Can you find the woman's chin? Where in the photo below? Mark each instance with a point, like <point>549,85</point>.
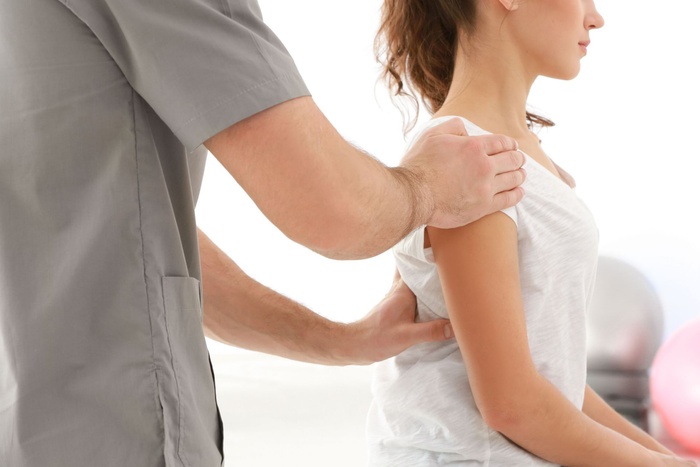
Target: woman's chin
<point>565,73</point>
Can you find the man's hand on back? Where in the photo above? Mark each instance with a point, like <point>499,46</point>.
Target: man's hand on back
<point>240,311</point>
<point>390,328</point>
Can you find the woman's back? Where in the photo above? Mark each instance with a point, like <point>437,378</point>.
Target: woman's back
<point>424,412</point>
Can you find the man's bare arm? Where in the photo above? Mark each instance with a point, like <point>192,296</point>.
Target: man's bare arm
<point>241,312</point>
<point>341,202</point>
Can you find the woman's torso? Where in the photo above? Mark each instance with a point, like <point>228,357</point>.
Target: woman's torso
<point>423,412</point>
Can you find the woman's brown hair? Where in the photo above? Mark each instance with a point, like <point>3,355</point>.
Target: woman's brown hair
<point>416,46</point>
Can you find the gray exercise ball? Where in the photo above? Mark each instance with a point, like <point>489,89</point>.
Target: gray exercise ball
<point>624,330</point>
<point>625,320</point>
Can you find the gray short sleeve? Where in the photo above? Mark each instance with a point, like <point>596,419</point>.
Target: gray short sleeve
<point>202,65</point>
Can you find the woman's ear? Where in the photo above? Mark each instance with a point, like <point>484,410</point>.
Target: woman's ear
<point>509,5</point>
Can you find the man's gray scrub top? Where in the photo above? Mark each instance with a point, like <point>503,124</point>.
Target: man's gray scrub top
<point>104,105</point>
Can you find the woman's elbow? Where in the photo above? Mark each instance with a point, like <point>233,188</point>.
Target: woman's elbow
<point>512,409</point>
<point>503,420</point>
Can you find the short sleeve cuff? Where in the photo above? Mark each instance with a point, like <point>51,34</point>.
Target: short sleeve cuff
<point>239,106</point>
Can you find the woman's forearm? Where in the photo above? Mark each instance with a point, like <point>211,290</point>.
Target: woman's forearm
<point>548,425</point>
<point>596,408</point>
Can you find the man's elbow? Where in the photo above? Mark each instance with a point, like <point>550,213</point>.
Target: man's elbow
<point>337,234</point>
<point>341,247</point>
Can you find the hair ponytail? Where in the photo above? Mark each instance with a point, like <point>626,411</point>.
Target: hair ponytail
<point>416,45</point>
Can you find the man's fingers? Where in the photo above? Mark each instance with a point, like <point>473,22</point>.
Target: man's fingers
<point>397,275</point>
<point>508,161</point>
<point>399,285</point>
<point>453,126</point>
<point>432,331</point>
<point>507,199</point>
<point>509,180</point>
<point>491,144</point>
<point>495,144</point>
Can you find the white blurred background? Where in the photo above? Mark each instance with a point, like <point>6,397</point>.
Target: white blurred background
<point>626,129</point>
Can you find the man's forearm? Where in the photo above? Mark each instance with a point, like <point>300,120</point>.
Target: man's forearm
<point>375,206</point>
<point>241,312</point>
<point>318,189</point>
<point>387,210</point>
<point>595,407</point>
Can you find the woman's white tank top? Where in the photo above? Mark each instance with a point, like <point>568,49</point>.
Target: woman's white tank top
<point>423,412</point>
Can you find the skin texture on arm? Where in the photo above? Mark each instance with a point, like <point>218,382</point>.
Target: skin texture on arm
<point>341,202</point>
<point>596,408</point>
<point>479,272</point>
<point>241,312</point>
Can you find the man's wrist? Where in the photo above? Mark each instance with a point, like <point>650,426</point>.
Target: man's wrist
<point>347,345</point>
<point>418,194</point>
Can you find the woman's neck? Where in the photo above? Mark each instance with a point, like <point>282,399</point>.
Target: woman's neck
<point>490,87</point>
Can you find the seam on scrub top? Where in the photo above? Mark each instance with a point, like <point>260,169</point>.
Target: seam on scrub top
<point>235,96</point>
<point>180,418</point>
<point>143,261</point>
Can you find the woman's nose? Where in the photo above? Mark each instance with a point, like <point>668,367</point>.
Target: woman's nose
<point>594,20</point>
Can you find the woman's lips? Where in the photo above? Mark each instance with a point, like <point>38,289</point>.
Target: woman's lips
<point>584,46</point>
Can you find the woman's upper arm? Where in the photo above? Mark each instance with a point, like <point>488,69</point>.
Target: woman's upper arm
<point>478,269</point>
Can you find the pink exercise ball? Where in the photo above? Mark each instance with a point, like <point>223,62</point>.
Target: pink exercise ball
<point>675,385</point>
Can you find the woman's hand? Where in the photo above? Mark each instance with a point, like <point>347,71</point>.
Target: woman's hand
<point>666,460</point>
<point>390,327</point>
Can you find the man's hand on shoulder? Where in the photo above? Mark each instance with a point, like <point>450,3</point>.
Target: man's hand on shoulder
<point>343,203</point>
<point>462,178</point>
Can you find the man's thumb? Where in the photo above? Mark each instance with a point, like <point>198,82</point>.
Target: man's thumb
<point>433,331</point>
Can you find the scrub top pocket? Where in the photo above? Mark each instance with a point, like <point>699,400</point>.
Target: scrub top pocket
<point>192,422</point>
